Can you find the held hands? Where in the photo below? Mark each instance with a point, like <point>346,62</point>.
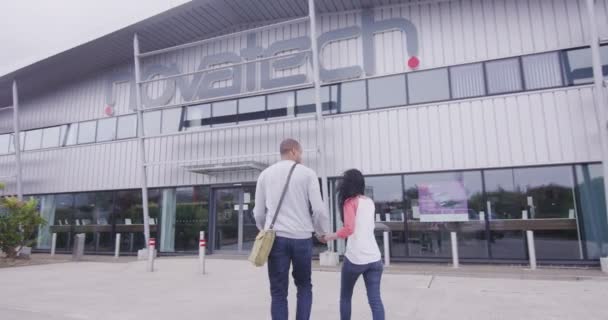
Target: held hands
<point>327,237</point>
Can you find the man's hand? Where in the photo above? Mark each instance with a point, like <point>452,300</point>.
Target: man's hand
<point>321,238</point>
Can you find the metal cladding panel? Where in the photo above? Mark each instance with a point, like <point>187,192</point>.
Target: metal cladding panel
<point>81,168</point>
<point>224,145</point>
<point>535,128</point>
<point>450,32</point>
<point>531,128</point>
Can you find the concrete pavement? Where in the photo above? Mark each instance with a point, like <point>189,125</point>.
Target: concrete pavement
<point>233,289</point>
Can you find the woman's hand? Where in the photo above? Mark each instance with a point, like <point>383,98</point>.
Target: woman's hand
<point>330,237</point>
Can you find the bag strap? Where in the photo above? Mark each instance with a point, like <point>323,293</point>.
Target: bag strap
<point>282,195</point>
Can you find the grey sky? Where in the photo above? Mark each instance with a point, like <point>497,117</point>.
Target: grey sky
<point>31,30</point>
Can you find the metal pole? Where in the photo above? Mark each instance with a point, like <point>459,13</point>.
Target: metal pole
<point>117,246</point>
<point>318,107</point>
<point>455,258</point>
<point>53,244</point>
<point>598,91</point>
<point>387,252</point>
<point>202,247</point>
<point>140,139</point>
<point>16,140</point>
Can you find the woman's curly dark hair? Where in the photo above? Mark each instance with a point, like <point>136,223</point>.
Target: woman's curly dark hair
<point>352,185</point>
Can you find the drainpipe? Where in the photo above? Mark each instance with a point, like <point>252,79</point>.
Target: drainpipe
<point>16,141</point>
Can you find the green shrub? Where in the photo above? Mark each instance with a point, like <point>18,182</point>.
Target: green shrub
<point>18,224</point>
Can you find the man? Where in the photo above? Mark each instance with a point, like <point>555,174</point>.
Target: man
<point>294,227</point>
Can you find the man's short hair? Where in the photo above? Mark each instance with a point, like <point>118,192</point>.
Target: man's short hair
<point>288,145</point>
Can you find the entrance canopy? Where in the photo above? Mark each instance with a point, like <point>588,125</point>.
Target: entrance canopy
<point>211,169</point>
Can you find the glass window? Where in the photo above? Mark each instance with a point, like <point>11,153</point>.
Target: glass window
<point>387,92</point>
<point>64,216</point>
<point>127,127</point>
<point>387,193</point>
<point>592,218</point>
<point>604,60</point>
<point>428,86</point>
<point>467,81</point>
<point>353,96</point>
<point>106,129</point>
<point>152,123</point>
<point>86,132</point>
<point>72,134</point>
<point>503,76</point>
<point>171,120</point>
<point>102,215</point>
<point>251,109</point>
<point>504,204</point>
<point>306,100</point>
<point>281,104</point>
<point>11,144</point>
<point>197,116</point>
<point>191,216</point>
<point>548,195</point>
<point>33,139</point>
<point>542,71</point>
<point>5,140</point>
<point>224,113</point>
<point>51,137</point>
<point>436,200</point>
<point>538,199</point>
<point>579,66</point>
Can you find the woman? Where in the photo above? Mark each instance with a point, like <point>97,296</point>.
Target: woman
<point>362,254</point>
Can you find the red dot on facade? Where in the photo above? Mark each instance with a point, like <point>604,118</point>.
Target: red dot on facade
<point>413,62</point>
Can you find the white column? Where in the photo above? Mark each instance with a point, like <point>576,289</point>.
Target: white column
<point>318,107</point>
<point>151,248</point>
<point>598,91</point>
<point>387,251</point>
<point>53,244</point>
<point>16,141</point>
<point>140,139</point>
<point>455,258</point>
<point>117,246</point>
<point>531,249</point>
<point>202,248</point>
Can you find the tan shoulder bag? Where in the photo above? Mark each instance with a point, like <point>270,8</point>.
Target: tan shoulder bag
<point>265,238</point>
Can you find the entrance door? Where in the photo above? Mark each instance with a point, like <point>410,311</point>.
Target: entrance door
<point>235,228</point>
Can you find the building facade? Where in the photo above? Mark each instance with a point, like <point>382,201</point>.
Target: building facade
<point>467,115</point>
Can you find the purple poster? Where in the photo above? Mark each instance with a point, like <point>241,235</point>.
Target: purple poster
<point>443,201</point>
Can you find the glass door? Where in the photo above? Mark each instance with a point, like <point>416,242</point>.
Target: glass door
<point>235,228</point>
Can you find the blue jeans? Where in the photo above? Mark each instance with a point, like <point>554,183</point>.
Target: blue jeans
<point>372,274</point>
<point>284,253</point>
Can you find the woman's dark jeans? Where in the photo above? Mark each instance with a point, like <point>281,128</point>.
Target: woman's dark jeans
<point>372,274</point>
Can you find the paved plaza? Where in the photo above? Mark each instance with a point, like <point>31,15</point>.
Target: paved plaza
<point>233,289</point>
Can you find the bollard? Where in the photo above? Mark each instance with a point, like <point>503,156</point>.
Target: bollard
<point>53,244</point>
<point>151,247</point>
<point>78,248</point>
<point>531,249</point>
<point>202,248</point>
<point>117,246</point>
<point>530,239</point>
<point>387,253</point>
<point>455,260</point>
